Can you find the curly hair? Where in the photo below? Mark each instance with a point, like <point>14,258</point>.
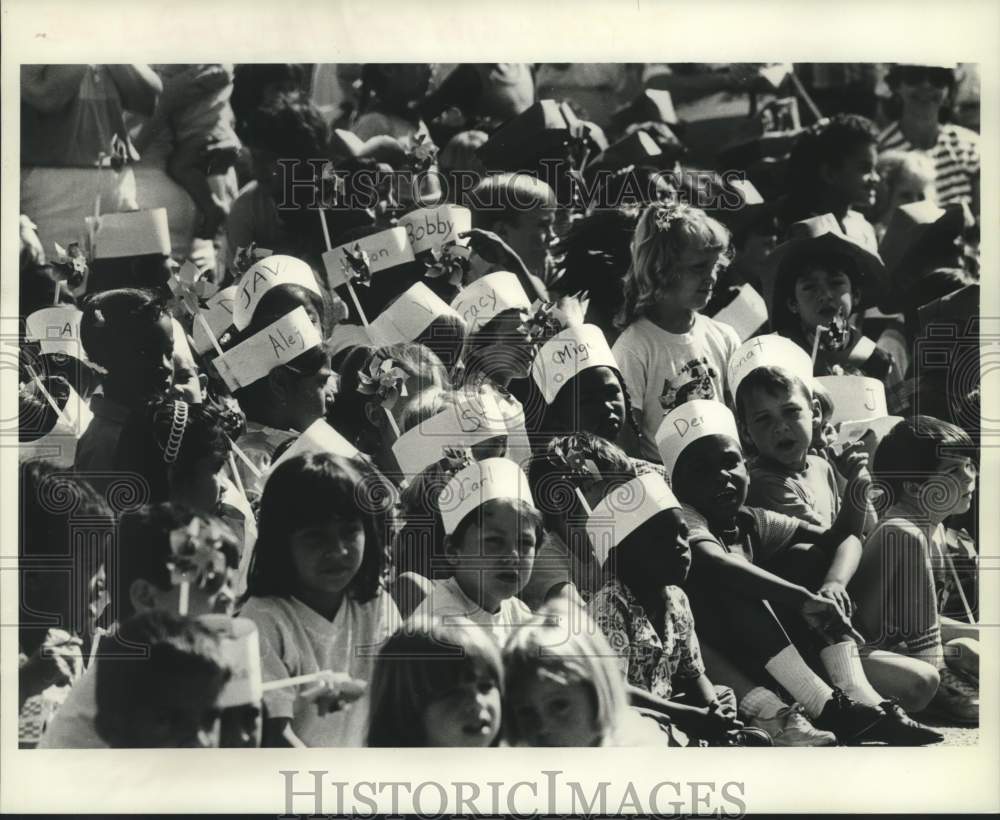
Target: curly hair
<point>111,318</point>
<point>664,232</point>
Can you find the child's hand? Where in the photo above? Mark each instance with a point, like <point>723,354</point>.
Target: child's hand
<point>493,251</point>
<point>712,722</point>
<point>332,692</point>
<point>57,662</point>
<point>826,616</point>
<point>853,461</point>
<point>837,592</point>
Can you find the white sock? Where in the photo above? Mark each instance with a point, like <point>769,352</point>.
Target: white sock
<point>808,688</point>
<point>760,702</point>
<point>843,662</point>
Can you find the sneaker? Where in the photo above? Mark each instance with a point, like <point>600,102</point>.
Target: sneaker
<point>790,727</point>
<point>956,699</point>
<point>899,729</point>
<point>849,720</point>
<point>747,736</point>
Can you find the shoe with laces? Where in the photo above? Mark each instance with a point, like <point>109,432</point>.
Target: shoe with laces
<point>899,729</point>
<point>850,721</point>
<point>956,700</point>
<point>746,736</point>
<point>790,727</point>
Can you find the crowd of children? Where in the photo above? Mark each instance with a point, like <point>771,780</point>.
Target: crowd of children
<point>560,438</point>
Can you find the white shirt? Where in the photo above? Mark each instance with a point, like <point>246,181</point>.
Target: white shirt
<point>72,726</point>
<point>662,369</point>
<point>297,640</point>
<point>446,599</point>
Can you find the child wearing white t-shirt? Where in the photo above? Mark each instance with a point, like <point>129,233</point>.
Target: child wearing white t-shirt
<point>669,353</point>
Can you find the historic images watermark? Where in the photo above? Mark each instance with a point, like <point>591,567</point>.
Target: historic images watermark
<point>313,793</point>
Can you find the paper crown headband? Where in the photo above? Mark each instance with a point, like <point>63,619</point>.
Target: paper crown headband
<point>218,313</point>
<point>855,398</point>
<point>486,298</point>
<point>277,344</point>
<point>625,509</point>
<point>689,422</point>
<point>409,316</point>
<point>264,275</point>
<point>59,444</point>
<point>470,420</point>
<point>130,233</point>
<point>568,354</point>
<point>319,437</point>
<point>181,346</point>
<point>381,251</point>
<point>57,330</point>
<point>479,482</point>
<point>428,229</point>
<point>768,351</point>
<point>239,645</point>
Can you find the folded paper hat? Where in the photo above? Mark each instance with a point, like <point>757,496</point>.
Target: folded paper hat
<point>239,645</point>
<point>409,316</point>
<point>481,302</point>
<point>264,275</point>
<point>819,234</point>
<point>181,347</point>
<point>689,422</point>
<point>771,350</point>
<point>959,307</point>
<point>638,148</point>
<point>911,225</point>
<point>383,250</point>
<point>855,398</point>
<point>346,336</point>
<point>746,313</point>
<point>59,444</point>
<point>430,229</point>
<point>130,233</point>
<point>566,355</point>
<point>57,330</point>
<point>470,420</point>
<point>626,508</point>
<point>275,345</point>
<point>479,482</point>
<point>533,133</point>
<point>654,105</point>
<point>218,313</point>
<point>318,437</point>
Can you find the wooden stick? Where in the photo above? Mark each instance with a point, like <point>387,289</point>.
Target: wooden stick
<point>800,89</point>
<point>326,230</point>
<point>246,460</point>
<point>357,304</point>
<point>819,330</point>
<point>55,296</point>
<point>48,397</point>
<point>296,681</point>
<point>182,605</point>
<point>236,475</point>
<point>958,583</point>
<point>208,330</point>
<point>94,643</point>
<point>583,501</point>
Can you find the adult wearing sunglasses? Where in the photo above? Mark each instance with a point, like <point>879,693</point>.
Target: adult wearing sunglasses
<point>924,92</point>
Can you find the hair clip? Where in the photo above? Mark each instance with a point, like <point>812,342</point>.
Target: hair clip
<point>384,380</point>
<point>542,325</point>
<point>177,427</point>
<point>195,555</point>
<point>246,258</point>
<point>667,213</point>
<point>356,264</point>
<point>451,261</point>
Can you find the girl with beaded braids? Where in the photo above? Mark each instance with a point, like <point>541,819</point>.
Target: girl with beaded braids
<point>668,352</point>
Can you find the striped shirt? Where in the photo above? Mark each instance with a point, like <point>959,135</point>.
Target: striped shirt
<point>955,155</point>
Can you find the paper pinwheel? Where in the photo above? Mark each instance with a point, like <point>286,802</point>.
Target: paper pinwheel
<point>456,459</point>
<point>834,336</point>
<point>666,214</point>
<point>542,325</point>
<point>572,456</point>
<point>246,258</point>
<point>423,154</point>
<point>451,261</point>
<point>191,289</point>
<point>71,263</point>
<point>356,265</point>
<point>196,558</point>
<point>384,380</point>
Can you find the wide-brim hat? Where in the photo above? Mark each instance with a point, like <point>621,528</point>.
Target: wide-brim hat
<point>818,235</point>
<point>912,224</point>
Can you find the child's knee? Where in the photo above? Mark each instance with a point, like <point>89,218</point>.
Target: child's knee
<point>962,655</point>
<point>917,686</point>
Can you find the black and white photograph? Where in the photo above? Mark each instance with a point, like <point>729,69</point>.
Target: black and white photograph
<point>526,408</point>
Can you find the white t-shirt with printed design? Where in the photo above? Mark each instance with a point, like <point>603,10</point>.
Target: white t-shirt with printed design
<point>663,370</point>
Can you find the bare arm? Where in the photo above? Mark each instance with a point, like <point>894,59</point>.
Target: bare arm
<point>751,580</point>
<point>48,88</point>
<point>138,85</point>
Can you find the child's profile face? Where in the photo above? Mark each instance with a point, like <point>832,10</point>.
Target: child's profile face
<point>186,381</point>
<point>494,559</point>
<point>599,403</point>
<point>911,186</point>
<point>529,234</point>
<point>780,424</point>
<point>711,476</point>
<point>468,715</point>
<point>821,295</point>
<point>145,362</point>
<point>326,557</point>
<point>855,179</point>
<point>659,551</point>
<point>951,492</point>
<point>552,709</point>
<point>216,597</point>
<point>201,488</point>
<point>309,395</point>
<point>691,285</point>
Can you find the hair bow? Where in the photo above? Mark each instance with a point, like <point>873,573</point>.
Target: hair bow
<point>356,265</point>
<point>384,380</point>
<point>196,555</point>
<point>451,261</point>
